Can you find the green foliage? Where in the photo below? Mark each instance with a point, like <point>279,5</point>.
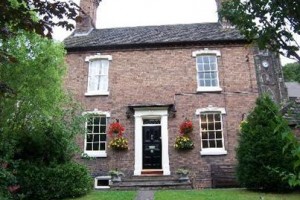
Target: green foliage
<point>291,72</point>
<point>57,182</point>
<point>261,146</point>
<point>38,124</point>
<point>21,15</point>
<point>273,24</point>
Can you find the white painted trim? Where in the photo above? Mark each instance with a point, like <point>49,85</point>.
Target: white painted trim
<point>98,56</point>
<point>209,89</point>
<point>95,154</point>
<point>102,178</point>
<point>97,112</point>
<point>207,52</point>
<point>97,93</point>
<point>213,151</point>
<point>210,108</point>
<point>139,114</point>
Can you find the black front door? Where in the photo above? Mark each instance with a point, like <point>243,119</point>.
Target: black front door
<point>152,147</point>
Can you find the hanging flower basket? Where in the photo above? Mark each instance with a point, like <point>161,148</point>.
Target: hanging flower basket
<point>116,129</point>
<point>183,142</point>
<point>186,127</point>
<point>119,143</point>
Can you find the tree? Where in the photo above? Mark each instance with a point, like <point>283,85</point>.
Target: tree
<point>291,72</point>
<point>19,15</point>
<point>272,24</point>
<point>38,124</point>
<point>260,148</point>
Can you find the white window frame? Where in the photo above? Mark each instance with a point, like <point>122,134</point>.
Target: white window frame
<point>207,52</point>
<point>212,110</point>
<point>108,178</point>
<point>99,153</point>
<point>90,60</point>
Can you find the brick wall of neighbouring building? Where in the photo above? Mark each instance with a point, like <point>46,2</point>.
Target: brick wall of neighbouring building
<point>168,76</point>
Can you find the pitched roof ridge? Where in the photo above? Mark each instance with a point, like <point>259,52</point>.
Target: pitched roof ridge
<point>163,25</point>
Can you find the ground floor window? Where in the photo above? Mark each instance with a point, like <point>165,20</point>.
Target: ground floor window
<point>95,142</point>
<point>211,131</point>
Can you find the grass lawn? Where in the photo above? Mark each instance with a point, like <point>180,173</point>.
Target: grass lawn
<point>222,194</point>
<point>206,194</point>
<point>109,195</point>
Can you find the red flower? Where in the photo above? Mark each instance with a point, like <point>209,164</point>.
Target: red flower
<point>186,127</point>
<point>116,128</point>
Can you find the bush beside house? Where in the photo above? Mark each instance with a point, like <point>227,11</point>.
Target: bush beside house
<point>260,152</point>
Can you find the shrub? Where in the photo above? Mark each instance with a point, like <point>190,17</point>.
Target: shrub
<point>260,148</point>
<point>60,181</point>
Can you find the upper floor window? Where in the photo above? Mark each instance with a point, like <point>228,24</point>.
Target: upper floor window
<point>207,70</point>
<point>211,131</point>
<point>95,142</point>
<point>98,75</point>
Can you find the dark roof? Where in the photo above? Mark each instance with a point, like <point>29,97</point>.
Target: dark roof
<point>153,35</point>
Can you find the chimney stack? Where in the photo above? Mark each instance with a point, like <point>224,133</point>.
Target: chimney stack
<point>221,20</point>
<point>89,15</point>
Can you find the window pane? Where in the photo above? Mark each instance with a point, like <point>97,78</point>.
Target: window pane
<point>213,66</point>
<point>89,146</point>
<point>212,144</point>
<point>203,118</point>
<point>96,138</point>
<point>96,146</point>
<point>204,144</point>
<point>202,83</point>
<point>104,69</point>
<point>96,129</point>
<point>93,83</point>
<point>211,135</point>
<point>218,126</point>
<point>200,67</point>
<point>211,126</point>
<point>199,59</point>
<point>207,75</point>
<point>219,144</point>
<point>89,129</point>
<point>103,84</point>
<point>218,134</point>
<point>205,59</point>
<point>96,120</point>
<point>89,138</point>
<point>206,67</point>
<point>217,117</point>
<point>212,59</point>
<point>210,117</point>
<point>201,75</point>
<point>102,129</point>
<point>103,120</point>
<point>204,126</point>
<point>207,83</point>
<point>204,135</point>
<point>102,146</point>
<point>103,137</point>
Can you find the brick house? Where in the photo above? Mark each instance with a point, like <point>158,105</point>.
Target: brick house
<point>153,78</point>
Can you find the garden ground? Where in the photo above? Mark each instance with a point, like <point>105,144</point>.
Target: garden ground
<point>205,194</point>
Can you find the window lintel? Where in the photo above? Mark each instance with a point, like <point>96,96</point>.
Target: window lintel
<point>206,52</point>
<point>98,56</point>
<point>210,108</point>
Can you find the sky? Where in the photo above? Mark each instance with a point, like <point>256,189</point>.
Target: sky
<point>128,13</point>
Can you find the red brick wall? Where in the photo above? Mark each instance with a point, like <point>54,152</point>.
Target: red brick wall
<point>168,76</point>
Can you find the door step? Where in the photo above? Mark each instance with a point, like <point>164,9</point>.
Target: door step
<point>152,172</point>
<point>155,182</point>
